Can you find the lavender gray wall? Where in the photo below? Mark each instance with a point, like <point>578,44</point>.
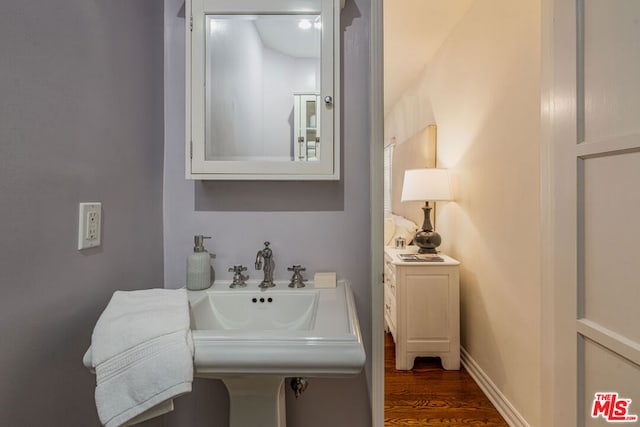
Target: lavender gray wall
<point>81,98</point>
<point>324,226</point>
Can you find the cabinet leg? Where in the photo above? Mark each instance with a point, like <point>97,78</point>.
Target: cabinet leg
<point>450,362</point>
<point>404,363</point>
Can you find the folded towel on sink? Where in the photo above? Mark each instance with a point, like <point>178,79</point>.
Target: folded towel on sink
<point>142,354</point>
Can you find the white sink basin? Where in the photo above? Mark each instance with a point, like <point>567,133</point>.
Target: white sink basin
<point>255,310</point>
<point>288,332</point>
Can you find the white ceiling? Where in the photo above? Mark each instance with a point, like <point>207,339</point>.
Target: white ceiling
<point>282,33</point>
<point>414,30</point>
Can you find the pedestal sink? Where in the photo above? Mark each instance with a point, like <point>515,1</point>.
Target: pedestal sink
<point>252,339</point>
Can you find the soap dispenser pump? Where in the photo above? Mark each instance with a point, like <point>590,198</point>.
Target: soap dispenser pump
<point>199,270</point>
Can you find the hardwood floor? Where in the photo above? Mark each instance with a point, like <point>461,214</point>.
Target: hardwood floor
<point>430,396</point>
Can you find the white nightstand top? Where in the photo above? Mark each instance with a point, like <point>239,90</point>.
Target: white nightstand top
<point>412,249</point>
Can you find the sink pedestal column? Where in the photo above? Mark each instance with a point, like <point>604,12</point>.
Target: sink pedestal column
<point>256,400</point>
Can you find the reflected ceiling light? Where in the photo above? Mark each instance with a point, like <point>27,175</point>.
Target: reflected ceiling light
<point>214,26</point>
<point>304,24</point>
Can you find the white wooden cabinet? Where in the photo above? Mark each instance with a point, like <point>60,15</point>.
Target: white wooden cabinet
<point>422,308</point>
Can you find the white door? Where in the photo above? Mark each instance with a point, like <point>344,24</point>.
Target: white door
<point>594,213</point>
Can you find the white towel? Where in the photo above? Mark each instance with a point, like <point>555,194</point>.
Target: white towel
<point>142,354</point>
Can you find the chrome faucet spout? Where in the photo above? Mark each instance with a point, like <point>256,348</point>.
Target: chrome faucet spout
<point>264,262</point>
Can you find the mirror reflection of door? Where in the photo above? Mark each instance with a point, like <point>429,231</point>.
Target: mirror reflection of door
<point>307,127</point>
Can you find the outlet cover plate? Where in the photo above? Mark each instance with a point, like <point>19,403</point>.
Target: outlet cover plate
<point>89,225</point>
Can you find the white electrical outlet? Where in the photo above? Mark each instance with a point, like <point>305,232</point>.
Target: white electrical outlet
<point>89,224</point>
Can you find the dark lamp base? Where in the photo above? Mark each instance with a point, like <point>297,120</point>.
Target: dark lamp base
<point>427,251</point>
<point>427,241</point>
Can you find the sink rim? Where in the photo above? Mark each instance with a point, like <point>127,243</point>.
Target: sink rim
<point>333,347</point>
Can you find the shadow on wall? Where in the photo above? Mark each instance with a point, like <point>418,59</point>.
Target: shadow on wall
<point>477,318</point>
<point>320,400</point>
<point>269,196</point>
<point>349,14</point>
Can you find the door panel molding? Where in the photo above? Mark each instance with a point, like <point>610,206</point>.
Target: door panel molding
<point>574,36</point>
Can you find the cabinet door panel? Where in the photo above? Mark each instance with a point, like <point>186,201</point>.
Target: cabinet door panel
<point>427,307</point>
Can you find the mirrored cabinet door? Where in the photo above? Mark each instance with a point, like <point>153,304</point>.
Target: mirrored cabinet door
<point>262,95</point>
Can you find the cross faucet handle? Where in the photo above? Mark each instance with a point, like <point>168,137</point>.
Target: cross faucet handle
<point>297,281</point>
<point>296,268</point>
<point>237,268</point>
<point>238,277</point>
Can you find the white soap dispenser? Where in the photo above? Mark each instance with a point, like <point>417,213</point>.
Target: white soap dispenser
<point>199,270</point>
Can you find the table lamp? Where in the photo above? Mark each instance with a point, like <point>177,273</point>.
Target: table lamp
<point>428,185</point>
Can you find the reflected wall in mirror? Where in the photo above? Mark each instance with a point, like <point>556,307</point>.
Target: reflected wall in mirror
<point>262,87</point>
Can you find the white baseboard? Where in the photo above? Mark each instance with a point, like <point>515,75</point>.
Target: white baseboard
<point>504,407</point>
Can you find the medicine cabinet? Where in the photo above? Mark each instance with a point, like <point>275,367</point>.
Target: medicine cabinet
<point>262,89</point>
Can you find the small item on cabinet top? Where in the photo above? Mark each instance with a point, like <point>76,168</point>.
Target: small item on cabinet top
<point>401,242</point>
<point>420,258</point>
<point>324,280</point>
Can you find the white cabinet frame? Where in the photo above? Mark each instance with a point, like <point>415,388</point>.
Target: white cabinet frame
<point>328,165</point>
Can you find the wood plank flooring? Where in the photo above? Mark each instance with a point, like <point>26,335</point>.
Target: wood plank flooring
<point>428,395</point>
